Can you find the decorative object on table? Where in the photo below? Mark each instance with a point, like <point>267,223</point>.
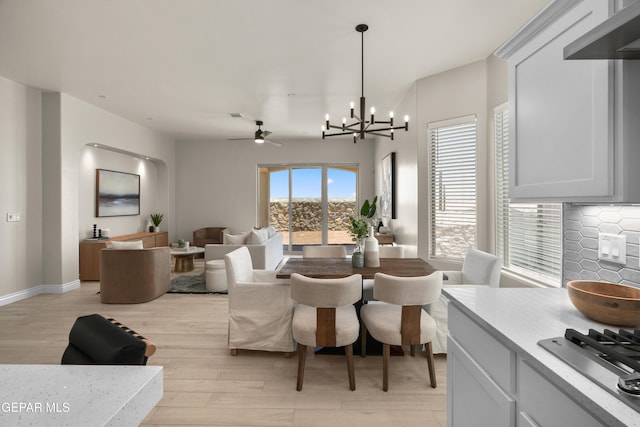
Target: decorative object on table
<point>106,232</point>
<point>609,303</point>
<point>371,250</point>
<point>361,126</point>
<point>149,226</point>
<point>156,218</point>
<point>388,196</point>
<point>117,193</point>
<point>358,227</point>
<point>95,231</point>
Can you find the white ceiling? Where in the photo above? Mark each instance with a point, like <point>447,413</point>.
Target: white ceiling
<point>181,66</point>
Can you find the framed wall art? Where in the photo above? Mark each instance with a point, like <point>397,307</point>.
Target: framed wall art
<point>388,196</point>
<point>117,193</point>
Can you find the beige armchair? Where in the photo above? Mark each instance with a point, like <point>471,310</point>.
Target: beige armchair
<point>208,235</point>
<point>134,275</point>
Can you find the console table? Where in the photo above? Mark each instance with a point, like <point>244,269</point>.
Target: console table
<point>90,250</point>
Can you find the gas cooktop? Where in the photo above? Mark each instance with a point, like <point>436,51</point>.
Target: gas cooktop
<point>609,358</point>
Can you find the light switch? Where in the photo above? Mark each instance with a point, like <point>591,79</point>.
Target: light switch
<point>612,248</point>
<point>13,217</point>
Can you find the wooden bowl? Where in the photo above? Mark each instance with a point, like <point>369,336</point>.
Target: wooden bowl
<point>607,303</point>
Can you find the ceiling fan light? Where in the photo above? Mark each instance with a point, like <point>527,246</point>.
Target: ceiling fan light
<point>259,140</point>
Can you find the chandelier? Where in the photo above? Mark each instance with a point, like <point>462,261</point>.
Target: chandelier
<point>360,126</point>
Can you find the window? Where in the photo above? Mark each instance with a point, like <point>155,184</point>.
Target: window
<point>453,187</point>
<point>308,204</point>
<point>529,235</point>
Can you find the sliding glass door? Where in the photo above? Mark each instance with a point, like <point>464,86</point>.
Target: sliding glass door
<point>308,204</point>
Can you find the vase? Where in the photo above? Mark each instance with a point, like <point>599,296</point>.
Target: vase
<point>371,250</point>
<point>357,260</point>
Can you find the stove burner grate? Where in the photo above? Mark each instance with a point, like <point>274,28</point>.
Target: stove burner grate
<point>621,348</point>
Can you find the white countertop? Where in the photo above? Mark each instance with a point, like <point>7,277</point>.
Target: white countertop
<point>519,318</point>
<point>78,395</point>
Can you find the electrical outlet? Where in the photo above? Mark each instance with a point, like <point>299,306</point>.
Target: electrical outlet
<point>612,248</point>
<point>13,217</point>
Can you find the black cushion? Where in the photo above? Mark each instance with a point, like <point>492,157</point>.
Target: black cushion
<point>94,340</point>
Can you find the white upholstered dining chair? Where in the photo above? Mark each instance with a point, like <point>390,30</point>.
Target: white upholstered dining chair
<point>325,317</point>
<point>260,307</point>
<point>479,269</point>
<point>397,317</point>
<point>333,251</point>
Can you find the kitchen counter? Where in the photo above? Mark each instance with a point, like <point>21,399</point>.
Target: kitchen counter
<point>518,318</point>
<point>78,395</point>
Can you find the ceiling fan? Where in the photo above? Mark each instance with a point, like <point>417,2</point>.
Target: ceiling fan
<point>260,136</point>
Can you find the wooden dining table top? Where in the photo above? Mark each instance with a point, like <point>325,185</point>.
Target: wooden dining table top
<point>331,268</point>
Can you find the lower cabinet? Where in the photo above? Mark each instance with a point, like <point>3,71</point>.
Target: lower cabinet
<point>473,398</point>
<point>490,385</point>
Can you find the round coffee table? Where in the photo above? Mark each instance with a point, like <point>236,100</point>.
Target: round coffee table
<point>184,258</point>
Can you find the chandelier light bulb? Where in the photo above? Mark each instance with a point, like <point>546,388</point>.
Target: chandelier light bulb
<point>373,110</point>
<point>406,118</point>
<point>352,105</point>
<point>326,117</point>
<point>323,129</point>
<point>391,114</point>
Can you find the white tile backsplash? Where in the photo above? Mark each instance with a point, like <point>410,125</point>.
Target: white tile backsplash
<point>581,227</point>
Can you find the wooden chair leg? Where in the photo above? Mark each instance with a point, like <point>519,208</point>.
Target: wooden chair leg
<point>234,351</point>
<point>363,340</point>
<point>386,351</point>
<point>348,349</point>
<point>432,370</point>
<point>412,350</point>
<point>302,357</point>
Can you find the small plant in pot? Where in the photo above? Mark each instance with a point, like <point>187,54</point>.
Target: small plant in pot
<point>359,228</point>
<point>156,218</point>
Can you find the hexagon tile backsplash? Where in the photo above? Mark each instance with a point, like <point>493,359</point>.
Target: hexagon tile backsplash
<point>582,224</point>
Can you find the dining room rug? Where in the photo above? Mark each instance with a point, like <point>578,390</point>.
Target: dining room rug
<point>191,284</point>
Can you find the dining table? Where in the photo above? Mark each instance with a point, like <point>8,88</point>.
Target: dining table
<point>332,268</point>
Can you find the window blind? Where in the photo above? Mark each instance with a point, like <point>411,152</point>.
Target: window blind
<point>528,235</point>
<point>453,187</point>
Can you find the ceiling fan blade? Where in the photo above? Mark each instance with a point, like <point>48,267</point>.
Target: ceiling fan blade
<point>240,139</point>
<point>266,133</point>
<point>272,142</point>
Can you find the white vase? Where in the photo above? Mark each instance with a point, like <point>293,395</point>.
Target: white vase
<point>371,250</point>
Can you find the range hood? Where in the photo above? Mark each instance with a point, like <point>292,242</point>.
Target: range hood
<point>616,38</point>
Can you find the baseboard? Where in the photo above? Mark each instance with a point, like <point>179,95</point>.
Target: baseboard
<point>37,290</point>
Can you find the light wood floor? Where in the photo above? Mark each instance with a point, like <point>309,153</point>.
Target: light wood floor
<point>205,386</point>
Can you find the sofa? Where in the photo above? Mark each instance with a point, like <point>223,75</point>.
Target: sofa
<point>208,236</point>
<point>129,276</point>
<point>265,247</point>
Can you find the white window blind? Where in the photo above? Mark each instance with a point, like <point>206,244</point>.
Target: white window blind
<point>453,187</point>
<point>529,235</point>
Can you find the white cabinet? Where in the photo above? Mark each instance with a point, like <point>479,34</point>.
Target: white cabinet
<point>572,132</point>
<point>490,385</point>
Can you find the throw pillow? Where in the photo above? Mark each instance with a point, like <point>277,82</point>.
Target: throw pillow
<point>134,244</point>
<point>257,237</point>
<point>235,239</point>
<point>271,231</point>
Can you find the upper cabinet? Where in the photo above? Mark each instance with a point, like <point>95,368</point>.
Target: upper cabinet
<point>573,135</point>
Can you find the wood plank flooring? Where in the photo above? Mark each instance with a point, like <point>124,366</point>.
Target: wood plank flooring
<point>205,386</point>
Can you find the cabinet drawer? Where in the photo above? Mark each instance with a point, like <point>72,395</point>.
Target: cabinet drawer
<point>545,405</point>
<point>493,356</point>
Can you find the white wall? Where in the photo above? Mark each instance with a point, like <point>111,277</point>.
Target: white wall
<point>92,158</point>
<point>217,180</point>
<point>21,189</point>
<point>471,89</point>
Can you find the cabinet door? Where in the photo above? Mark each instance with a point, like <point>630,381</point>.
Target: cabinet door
<point>561,123</point>
<point>473,398</point>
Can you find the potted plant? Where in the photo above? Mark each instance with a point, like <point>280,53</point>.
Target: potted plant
<point>156,218</point>
<point>359,228</point>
